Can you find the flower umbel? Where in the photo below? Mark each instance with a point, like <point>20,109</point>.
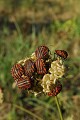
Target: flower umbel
<point>42,72</point>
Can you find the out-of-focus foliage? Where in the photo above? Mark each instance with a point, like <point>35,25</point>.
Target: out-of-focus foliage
<point>24,25</point>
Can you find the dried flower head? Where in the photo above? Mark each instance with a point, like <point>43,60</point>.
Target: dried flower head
<point>39,73</point>
<point>56,72</point>
<point>46,83</point>
<point>57,69</point>
<point>33,57</point>
<point>22,62</point>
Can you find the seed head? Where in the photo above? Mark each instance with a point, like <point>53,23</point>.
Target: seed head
<point>57,69</point>
<point>46,83</point>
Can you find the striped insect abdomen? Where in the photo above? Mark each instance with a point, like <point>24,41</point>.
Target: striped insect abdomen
<point>56,89</point>
<point>61,53</point>
<point>17,71</point>
<point>42,52</point>
<point>29,68</point>
<point>40,66</point>
<point>24,82</point>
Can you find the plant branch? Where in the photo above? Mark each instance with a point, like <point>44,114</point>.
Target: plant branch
<point>58,106</point>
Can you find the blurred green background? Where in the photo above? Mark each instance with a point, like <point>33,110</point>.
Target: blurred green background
<point>24,25</point>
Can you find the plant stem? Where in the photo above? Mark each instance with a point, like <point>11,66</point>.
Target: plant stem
<point>58,106</point>
<point>25,110</point>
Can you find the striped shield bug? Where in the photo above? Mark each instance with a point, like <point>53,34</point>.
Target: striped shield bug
<point>61,53</point>
<point>29,67</point>
<point>24,82</point>
<point>42,52</point>
<point>56,89</point>
<point>40,66</point>
<point>17,71</point>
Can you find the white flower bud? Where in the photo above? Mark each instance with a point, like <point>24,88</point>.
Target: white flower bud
<point>56,72</point>
<point>57,69</point>
<point>33,56</point>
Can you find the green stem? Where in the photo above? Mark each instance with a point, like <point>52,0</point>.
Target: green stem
<point>25,110</point>
<point>58,106</point>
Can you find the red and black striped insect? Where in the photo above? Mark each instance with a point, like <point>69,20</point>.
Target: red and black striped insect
<point>24,82</point>
<point>56,89</point>
<point>40,66</point>
<point>17,71</point>
<point>29,67</point>
<point>42,52</point>
<point>61,53</point>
